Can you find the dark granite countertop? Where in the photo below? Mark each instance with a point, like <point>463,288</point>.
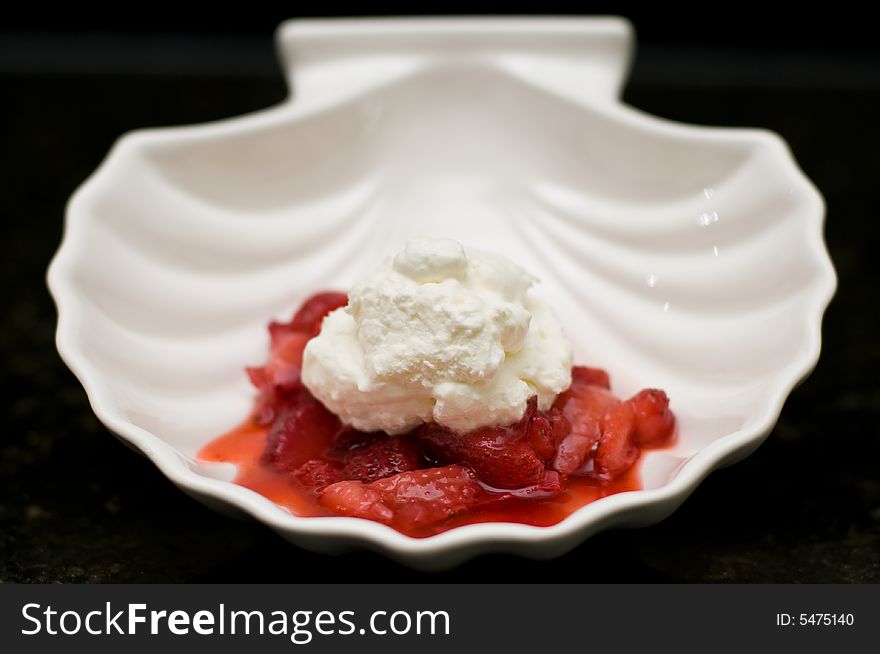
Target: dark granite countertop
<point>78,506</point>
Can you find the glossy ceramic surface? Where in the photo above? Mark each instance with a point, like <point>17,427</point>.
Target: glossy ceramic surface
<point>681,257</point>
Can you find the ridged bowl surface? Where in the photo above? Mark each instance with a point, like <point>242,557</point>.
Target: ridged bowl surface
<point>680,257</point>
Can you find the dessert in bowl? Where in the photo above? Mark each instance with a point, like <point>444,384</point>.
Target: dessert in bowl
<point>684,258</point>
<point>438,393</point>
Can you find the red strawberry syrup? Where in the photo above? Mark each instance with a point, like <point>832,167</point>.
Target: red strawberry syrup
<point>245,444</point>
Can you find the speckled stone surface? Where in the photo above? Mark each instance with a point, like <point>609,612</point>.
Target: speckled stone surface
<point>78,506</point>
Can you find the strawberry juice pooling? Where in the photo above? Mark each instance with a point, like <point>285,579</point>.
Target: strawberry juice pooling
<point>438,393</point>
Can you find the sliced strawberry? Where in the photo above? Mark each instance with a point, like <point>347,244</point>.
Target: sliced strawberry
<point>510,466</point>
<point>287,357</point>
<point>318,474</point>
<point>258,377</point>
<point>501,457</point>
<point>559,424</point>
<point>573,451</point>
<point>282,373</point>
<point>584,407</point>
<point>654,422</point>
<point>617,450</point>
<point>426,496</point>
<point>590,377</point>
<point>349,438</point>
<point>308,318</point>
<point>584,403</point>
<point>410,499</point>
<point>541,437</point>
<point>356,499</point>
<point>384,456</point>
<point>311,313</point>
<point>265,410</point>
<point>303,430</point>
<point>279,332</point>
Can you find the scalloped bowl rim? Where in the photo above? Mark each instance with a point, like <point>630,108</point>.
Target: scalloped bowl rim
<point>465,541</point>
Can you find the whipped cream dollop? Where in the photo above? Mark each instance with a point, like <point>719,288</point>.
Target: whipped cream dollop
<point>438,333</point>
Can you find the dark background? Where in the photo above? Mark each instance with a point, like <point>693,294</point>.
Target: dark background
<point>77,506</point>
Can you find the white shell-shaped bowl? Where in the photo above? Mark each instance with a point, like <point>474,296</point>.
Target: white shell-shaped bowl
<point>679,257</point>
